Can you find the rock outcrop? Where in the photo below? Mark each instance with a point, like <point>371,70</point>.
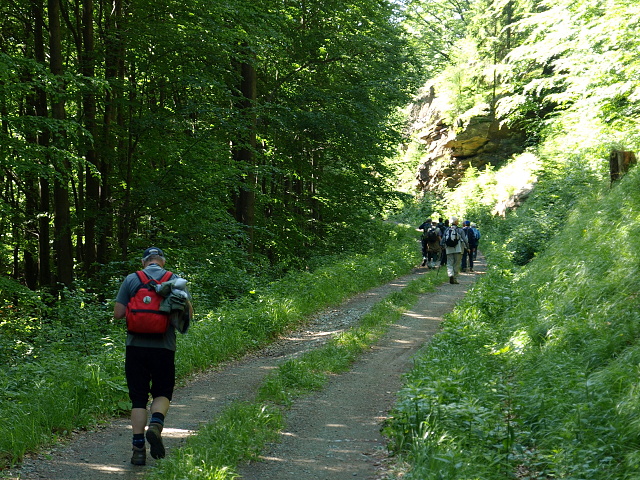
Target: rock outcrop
<point>474,139</point>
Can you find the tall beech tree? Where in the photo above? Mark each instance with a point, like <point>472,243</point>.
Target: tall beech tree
<point>261,127</point>
<point>62,213</point>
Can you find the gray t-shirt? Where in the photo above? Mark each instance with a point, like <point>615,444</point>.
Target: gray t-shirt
<point>127,290</point>
<point>462,243</point>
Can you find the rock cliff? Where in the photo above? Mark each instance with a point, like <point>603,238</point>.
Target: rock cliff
<point>474,139</point>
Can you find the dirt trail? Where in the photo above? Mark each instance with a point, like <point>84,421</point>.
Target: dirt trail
<point>333,434</point>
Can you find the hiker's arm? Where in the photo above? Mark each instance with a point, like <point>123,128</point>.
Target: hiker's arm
<point>465,240</point>
<point>119,310</point>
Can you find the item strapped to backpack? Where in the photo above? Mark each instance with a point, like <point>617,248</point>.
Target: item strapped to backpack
<point>143,310</point>
<point>451,237</point>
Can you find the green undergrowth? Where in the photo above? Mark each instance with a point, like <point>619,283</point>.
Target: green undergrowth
<point>240,433</point>
<point>535,373</point>
<point>78,379</point>
<point>255,319</point>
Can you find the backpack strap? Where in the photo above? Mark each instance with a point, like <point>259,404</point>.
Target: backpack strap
<point>166,277</point>
<point>146,279</point>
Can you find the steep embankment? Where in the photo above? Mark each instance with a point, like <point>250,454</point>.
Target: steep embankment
<point>536,372</point>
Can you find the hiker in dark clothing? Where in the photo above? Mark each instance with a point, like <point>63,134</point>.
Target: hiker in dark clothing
<point>475,229</point>
<point>468,254</point>
<point>443,225</point>
<point>430,243</point>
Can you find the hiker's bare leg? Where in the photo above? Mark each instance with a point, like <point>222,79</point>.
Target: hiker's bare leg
<point>160,405</point>
<point>138,420</point>
<point>139,415</point>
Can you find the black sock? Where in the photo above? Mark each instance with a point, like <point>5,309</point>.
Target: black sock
<point>138,440</point>
<point>157,417</point>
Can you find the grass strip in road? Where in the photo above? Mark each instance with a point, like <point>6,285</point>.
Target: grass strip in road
<point>242,431</point>
<point>239,433</point>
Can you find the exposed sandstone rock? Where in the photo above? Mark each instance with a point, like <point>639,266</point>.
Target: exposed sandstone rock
<point>474,139</point>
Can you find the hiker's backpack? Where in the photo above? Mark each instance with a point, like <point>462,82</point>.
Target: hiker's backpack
<point>143,310</point>
<point>431,234</point>
<point>471,236</point>
<point>451,237</point>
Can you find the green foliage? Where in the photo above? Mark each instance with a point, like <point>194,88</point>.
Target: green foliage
<point>163,143</point>
<point>535,372</point>
<point>573,63</point>
<point>559,187</point>
<point>414,211</point>
<point>436,26</point>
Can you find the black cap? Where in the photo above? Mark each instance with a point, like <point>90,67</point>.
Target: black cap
<point>152,251</point>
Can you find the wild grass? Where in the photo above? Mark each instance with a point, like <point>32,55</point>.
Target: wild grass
<point>535,374</point>
<point>63,370</point>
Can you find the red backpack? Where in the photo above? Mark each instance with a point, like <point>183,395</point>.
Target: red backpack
<point>143,310</point>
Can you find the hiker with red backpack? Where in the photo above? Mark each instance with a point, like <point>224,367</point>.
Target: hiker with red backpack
<point>155,304</point>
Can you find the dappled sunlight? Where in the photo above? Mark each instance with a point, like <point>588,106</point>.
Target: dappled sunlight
<point>340,449</point>
<point>515,345</point>
<point>311,336</point>
<point>97,467</point>
<point>422,316</point>
<point>176,432</point>
<point>404,342</point>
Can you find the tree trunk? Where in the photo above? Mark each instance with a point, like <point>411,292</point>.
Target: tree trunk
<point>91,205</point>
<point>244,152</point>
<point>41,110</point>
<point>619,163</point>
<point>114,150</point>
<point>62,214</point>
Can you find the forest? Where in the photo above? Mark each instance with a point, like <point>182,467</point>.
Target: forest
<point>265,146</point>
<point>243,134</point>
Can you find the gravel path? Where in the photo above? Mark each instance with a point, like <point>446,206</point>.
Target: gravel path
<point>333,434</point>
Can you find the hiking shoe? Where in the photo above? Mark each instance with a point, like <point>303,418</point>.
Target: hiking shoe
<point>155,440</point>
<point>455,280</point>
<point>451,280</point>
<point>139,456</point>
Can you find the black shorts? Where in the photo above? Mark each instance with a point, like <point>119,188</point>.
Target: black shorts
<point>149,371</point>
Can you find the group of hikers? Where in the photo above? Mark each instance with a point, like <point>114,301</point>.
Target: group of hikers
<point>156,305</point>
<point>452,245</point>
